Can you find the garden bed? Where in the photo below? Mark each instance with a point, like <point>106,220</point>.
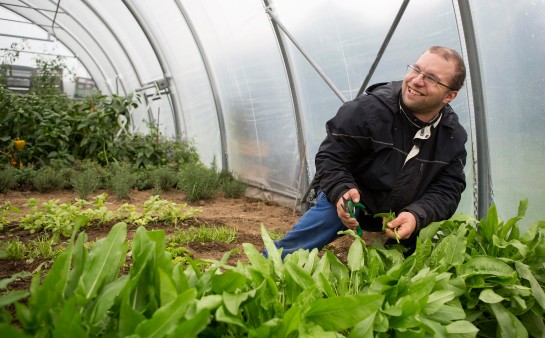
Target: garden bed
<point>243,214</point>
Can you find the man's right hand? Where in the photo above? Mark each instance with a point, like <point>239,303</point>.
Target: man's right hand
<point>349,222</point>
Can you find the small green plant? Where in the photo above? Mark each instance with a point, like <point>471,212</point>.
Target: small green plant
<point>122,183</point>
<point>163,179</point>
<point>8,180</point>
<point>276,234</point>
<point>233,188</point>
<point>14,249</point>
<point>204,234</point>
<point>24,178</point>
<point>43,247</point>
<point>198,181</point>
<point>85,182</point>
<point>6,213</point>
<point>47,179</point>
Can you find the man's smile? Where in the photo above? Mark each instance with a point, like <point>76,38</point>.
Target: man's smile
<point>413,91</point>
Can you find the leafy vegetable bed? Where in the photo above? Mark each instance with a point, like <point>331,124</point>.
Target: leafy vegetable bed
<point>466,279</point>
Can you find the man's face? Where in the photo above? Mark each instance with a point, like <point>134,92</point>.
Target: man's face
<point>423,99</point>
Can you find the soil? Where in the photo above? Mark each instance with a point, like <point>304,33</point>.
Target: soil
<point>244,214</point>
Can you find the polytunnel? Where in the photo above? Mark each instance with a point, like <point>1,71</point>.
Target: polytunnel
<point>253,82</point>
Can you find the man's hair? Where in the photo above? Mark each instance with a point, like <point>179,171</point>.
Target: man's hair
<point>452,55</point>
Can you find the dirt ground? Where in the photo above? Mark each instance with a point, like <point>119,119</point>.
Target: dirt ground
<point>244,214</point>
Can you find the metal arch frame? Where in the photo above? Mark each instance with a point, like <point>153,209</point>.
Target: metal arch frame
<point>176,104</point>
<point>93,39</point>
<point>115,36</point>
<point>484,186</point>
<point>102,73</point>
<point>384,45</point>
<point>304,171</point>
<point>212,82</point>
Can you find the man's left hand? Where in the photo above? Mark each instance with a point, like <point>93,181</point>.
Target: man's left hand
<point>405,224</point>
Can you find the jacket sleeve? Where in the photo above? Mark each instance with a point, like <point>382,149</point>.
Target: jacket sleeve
<point>340,150</point>
<point>440,200</point>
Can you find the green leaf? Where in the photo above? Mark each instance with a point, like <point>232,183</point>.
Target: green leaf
<point>129,318</point>
<point>79,258</point>
<point>447,313</point>
<point>104,262</point>
<point>490,226</point>
<point>68,323</point>
<point>299,275</point>
<point>461,329</point>
<point>224,316</point>
<point>355,256</point>
<point>106,298</point>
<point>12,332</point>
<point>537,291</point>
<point>343,312</point>
<point>6,281</point>
<point>167,290</point>
<point>273,253</point>
<point>450,250</point>
<point>190,328</point>
<point>229,281</point>
<point>490,297</point>
<point>166,318</point>
<point>363,329</point>
<point>437,299</point>
<point>257,260</point>
<point>12,297</point>
<point>508,325</point>
<point>50,294</point>
<point>232,301</point>
<point>485,265</point>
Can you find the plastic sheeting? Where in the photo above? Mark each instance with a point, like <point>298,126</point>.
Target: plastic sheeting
<point>252,93</point>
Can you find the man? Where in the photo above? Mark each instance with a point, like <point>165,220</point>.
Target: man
<point>397,148</point>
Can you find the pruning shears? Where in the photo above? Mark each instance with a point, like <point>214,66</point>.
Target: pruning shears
<point>350,207</point>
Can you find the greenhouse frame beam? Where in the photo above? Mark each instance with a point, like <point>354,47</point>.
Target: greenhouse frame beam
<point>304,179</point>
<point>116,37</point>
<point>278,23</point>
<point>176,104</point>
<point>484,189</point>
<point>384,45</point>
<point>102,73</point>
<point>92,37</point>
<point>212,82</point>
<point>25,37</point>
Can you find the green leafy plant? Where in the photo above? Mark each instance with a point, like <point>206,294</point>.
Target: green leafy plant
<point>230,186</point>
<point>14,249</point>
<point>198,181</point>
<point>122,182</point>
<point>85,182</point>
<point>163,178</point>
<point>204,234</point>
<point>387,217</point>
<point>7,211</point>
<point>467,278</point>
<point>8,180</point>
<point>48,179</point>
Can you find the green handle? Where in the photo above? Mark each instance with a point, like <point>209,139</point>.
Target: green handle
<point>352,211</point>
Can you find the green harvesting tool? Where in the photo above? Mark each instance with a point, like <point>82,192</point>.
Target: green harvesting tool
<point>350,207</point>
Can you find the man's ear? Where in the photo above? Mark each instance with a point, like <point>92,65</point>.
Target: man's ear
<point>451,95</point>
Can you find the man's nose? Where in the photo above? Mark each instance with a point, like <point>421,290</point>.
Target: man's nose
<point>419,80</point>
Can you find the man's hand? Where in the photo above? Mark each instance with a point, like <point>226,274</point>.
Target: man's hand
<point>348,221</point>
<point>405,224</point>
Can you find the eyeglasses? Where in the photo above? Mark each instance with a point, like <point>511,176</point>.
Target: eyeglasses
<point>430,80</point>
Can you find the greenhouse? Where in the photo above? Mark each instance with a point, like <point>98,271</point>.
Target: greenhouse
<point>249,85</point>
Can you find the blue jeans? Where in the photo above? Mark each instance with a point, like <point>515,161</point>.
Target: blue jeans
<point>315,229</point>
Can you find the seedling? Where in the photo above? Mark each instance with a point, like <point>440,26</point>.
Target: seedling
<point>386,218</point>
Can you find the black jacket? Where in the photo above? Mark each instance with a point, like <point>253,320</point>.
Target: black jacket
<point>366,146</point>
